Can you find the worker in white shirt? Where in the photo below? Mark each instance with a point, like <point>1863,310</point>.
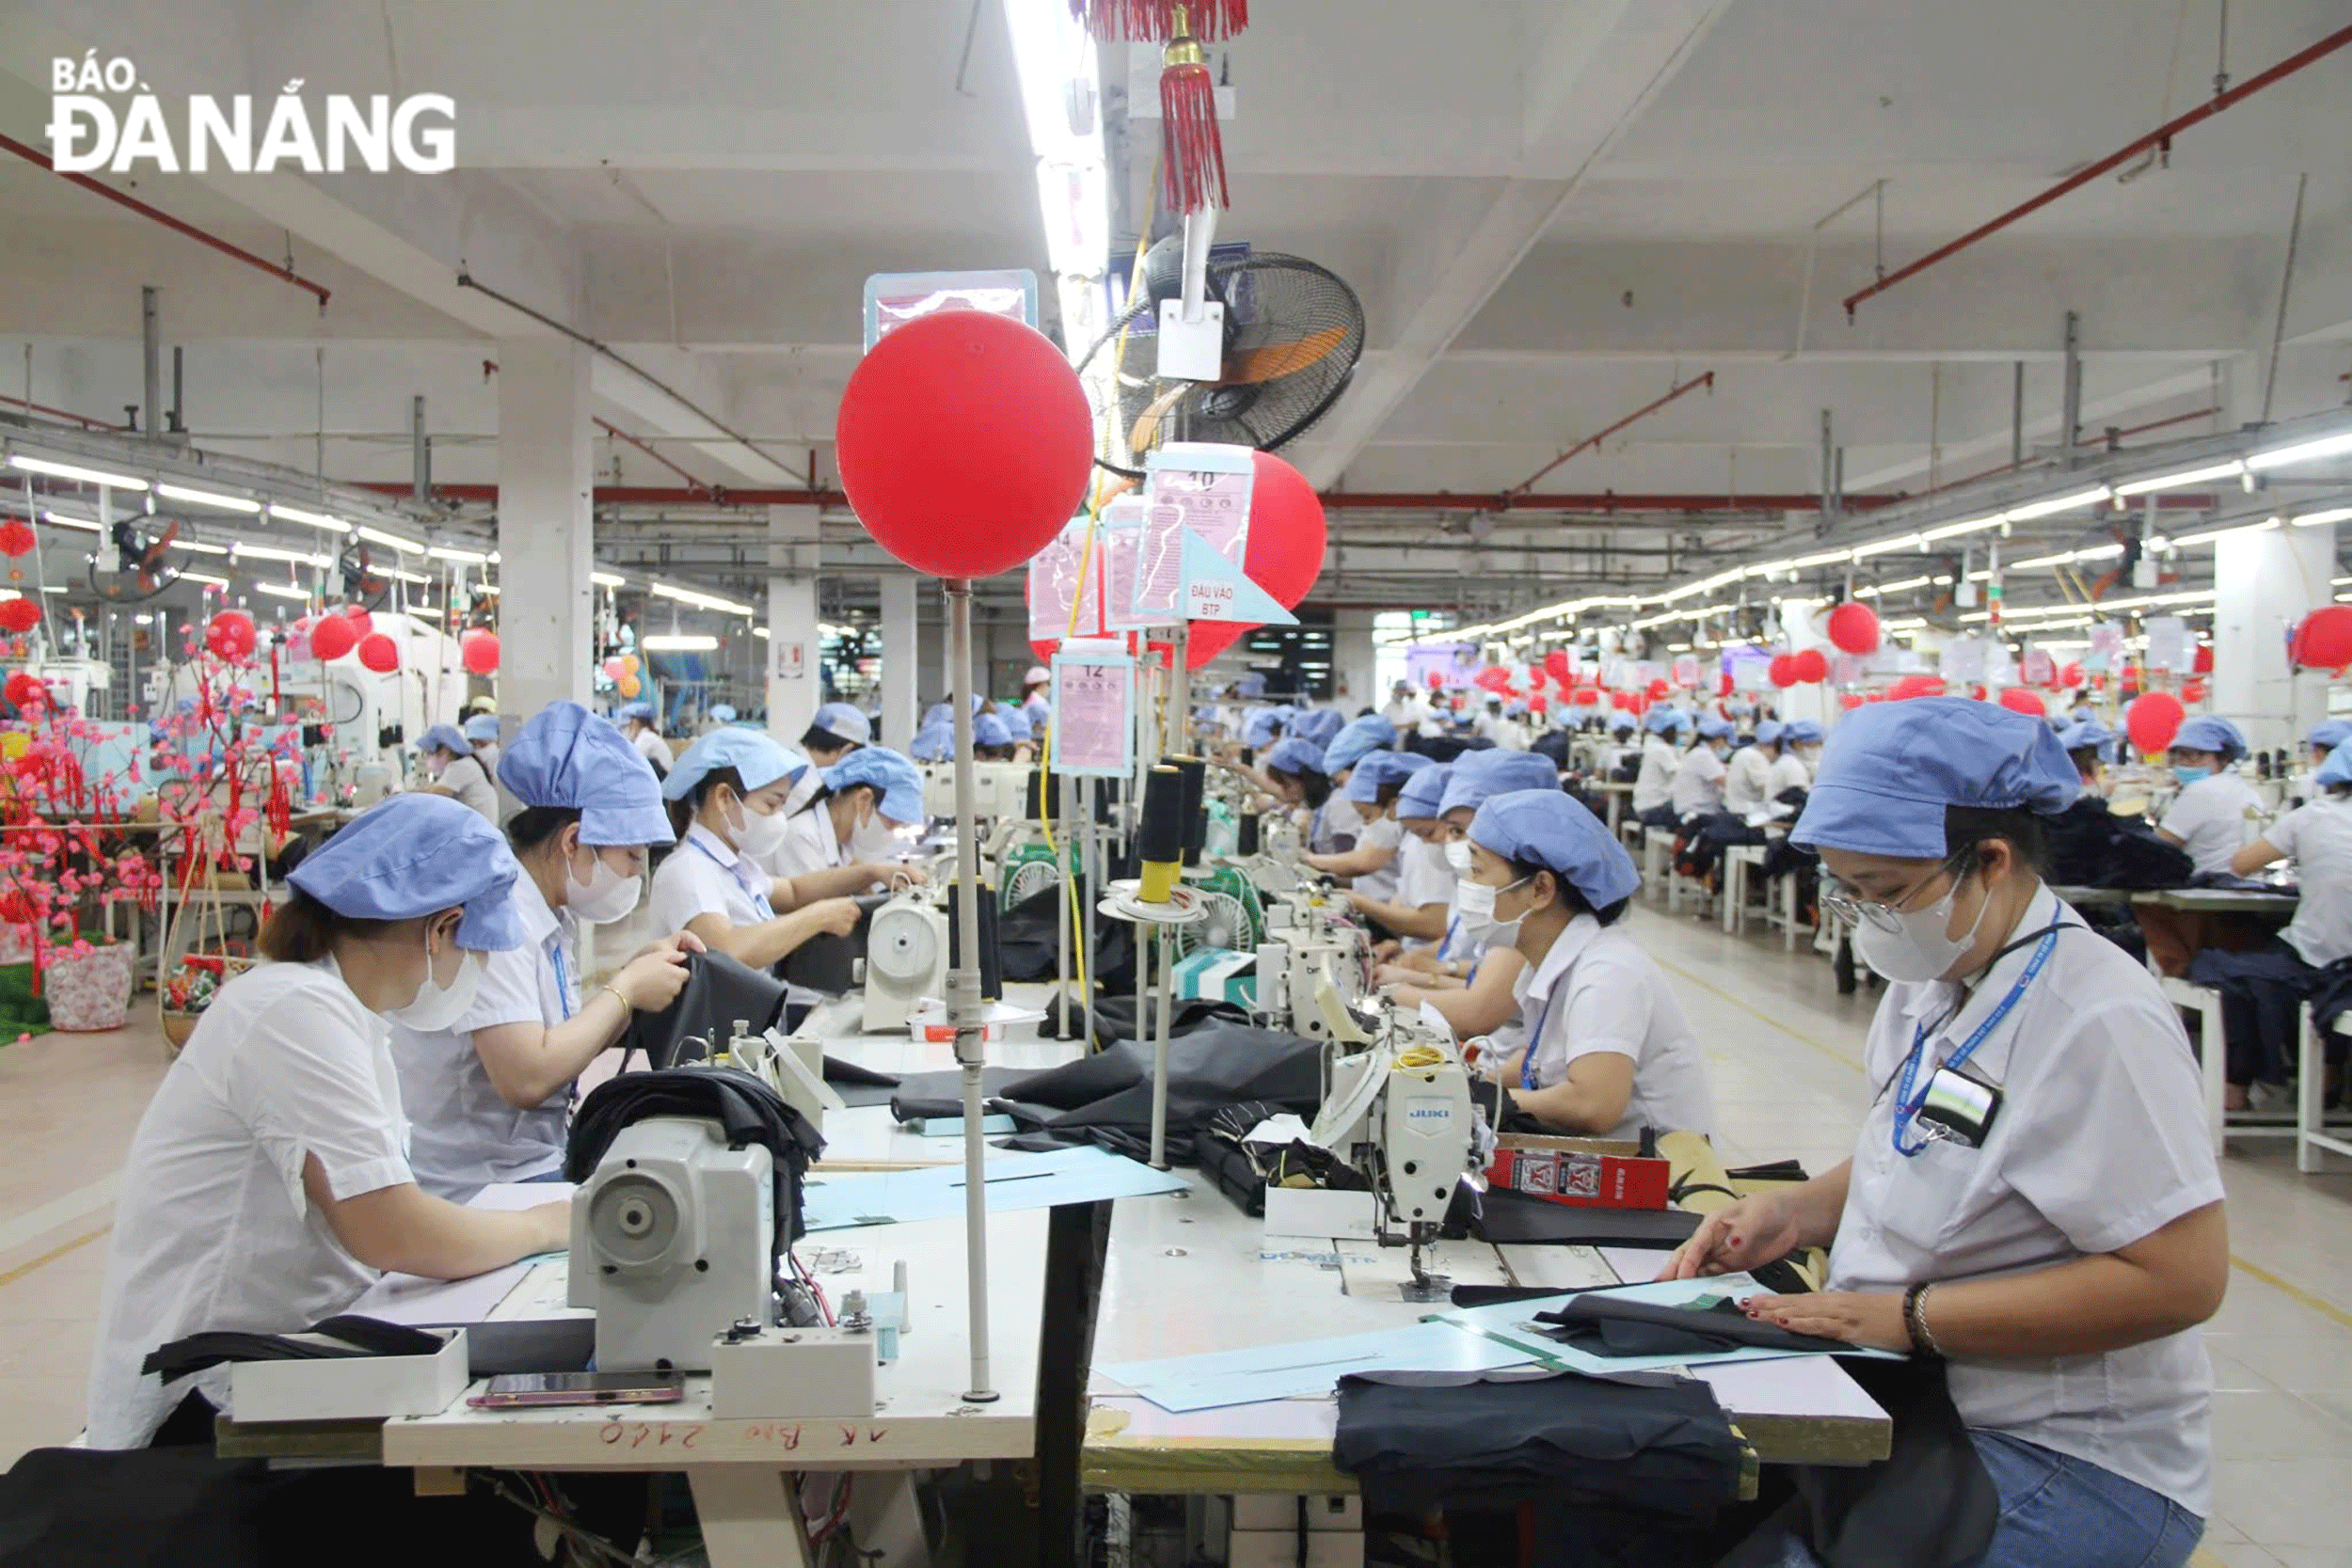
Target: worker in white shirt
<point>637,723</point>
<point>1037,700</point>
<point>1654,788</point>
<point>488,1096</point>
<point>268,1184</point>
<point>1608,1051</point>
<point>1404,709</point>
<point>2213,814</point>
<point>1506,732</point>
<point>1372,867</point>
<point>2033,1198</point>
<point>1335,826</point>
<point>1800,746</point>
<point>1623,750</point>
<point>481,730</point>
<point>1423,903</point>
<point>457,772</point>
<point>727,800</point>
<point>1748,776</point>
<point>1698,789</point>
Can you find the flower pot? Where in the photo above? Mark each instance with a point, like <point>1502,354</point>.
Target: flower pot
<point>88,991</point>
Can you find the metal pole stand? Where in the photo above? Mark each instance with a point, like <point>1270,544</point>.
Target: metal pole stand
<point>1184,906</point>
<point>966,1010</point>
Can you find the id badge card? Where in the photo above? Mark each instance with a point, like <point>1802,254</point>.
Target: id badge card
<point>1961,1107</point>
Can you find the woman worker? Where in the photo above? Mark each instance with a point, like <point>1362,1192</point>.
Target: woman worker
<point>2210,817</point>
<point>636,721</point>
<point>726,804</point>
<point>1698,787</point>
<point>1654,785</point>
<point>837,730</point>
<point>448,757</point>
<point>2033,1197</point>
<point>268,1184</point>
<point>488,1094</point>
<point>1748,776</point>
<point>1374,783</point>
<point>1338,823</point>
<point>482,731</point>
<point>1295,769</point>
<point>1608,1051</point>
<point>846,838</point>
<point>1800,747</point>
<point>1421,905</point>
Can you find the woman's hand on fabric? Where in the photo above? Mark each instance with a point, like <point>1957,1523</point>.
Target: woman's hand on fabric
<point>1740,1236</point>
<point>652,980</point>
<point>1871,1317</point>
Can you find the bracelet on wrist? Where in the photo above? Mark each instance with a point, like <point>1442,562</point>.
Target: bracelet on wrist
<point>1916,1322</point>
<point>629,1009</point>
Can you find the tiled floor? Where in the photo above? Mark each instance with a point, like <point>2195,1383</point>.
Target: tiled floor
<point>1784,1051</point>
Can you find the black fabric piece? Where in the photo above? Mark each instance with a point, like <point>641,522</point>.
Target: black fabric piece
<point>718,992</point>
<point>987,959</point>
<point>352,1336</point>
<point>1928,1504</point>
<point>1776,1170</point>
<point>2262,995</point>
<point>500,1346</point>
<point>1508,1218</point>
<point>1115,1017</point>
<point>1782,859</point>
<point>1681,1190</point>
<point>838,1073</point>
<point>921,1095</point>
<point>1598,1323</point>
<point>1418,1440</point>
<point>744,1106</point>
<point>2092,847</point>
<point>1499,1296</point>
<point>1781,1279</point>
<point>1243,1171</point>
<point>1029,940</point>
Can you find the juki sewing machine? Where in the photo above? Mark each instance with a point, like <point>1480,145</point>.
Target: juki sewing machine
<point>1312,952</point>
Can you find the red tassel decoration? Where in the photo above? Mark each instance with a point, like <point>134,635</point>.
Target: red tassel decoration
<point>1160,20</point>
<point>1192,149</point>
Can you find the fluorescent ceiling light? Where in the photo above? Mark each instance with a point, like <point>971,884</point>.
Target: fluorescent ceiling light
<point>683,643</point>
<point>760,632</point>
<point>1061,101</point>
<point>390,541</point>
<point>67,470</point>
<point>2182,541</point>
<point>2302,452</point>
<point>67,520</point>
<point>1864,552</point>
<point>608,579</point>
<point>207,498</point>
<point>1903,587</point>
<point>316,519</point>
<point>703,601</point>
<point>402,574</point>
<point>469,558</point>
<point>271,552</point>
<point>1825,559</point>
<point>2234,468</point>
<point>1953,531</point>
<point>2333,514</point>
<point>204,577</point>
<point>283,590</point>
<point>53,588</point>
<point>2067,558</point>
<point>2056,504</point>
<point>200,547</point>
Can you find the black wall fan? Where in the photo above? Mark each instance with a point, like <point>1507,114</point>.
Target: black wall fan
<point>1293,332</point>
<point>362,584</point>
<point>145,562</point>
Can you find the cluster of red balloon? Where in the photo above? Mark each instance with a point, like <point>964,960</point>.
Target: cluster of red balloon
<point>1809,665</point>
<point>19,615</point>
<point>341,630</point>
<point>2324,640</point>
<point>478,651</point>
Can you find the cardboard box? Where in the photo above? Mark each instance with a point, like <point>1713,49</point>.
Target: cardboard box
<point>1582,1173</point>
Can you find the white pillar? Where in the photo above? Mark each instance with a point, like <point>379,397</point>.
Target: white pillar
<point>1806,699</point>
<point>547,474</point>
<point>2264,583</point>
<point>1355,663</point>
<point>794,687</point>
<point>901,661</point>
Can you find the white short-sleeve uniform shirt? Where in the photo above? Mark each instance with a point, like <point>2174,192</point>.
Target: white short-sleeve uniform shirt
<point>1698,782</point>
<point>467,778</point>
<point>1654,787</point>
<point>1382,832</point>
<point>1596,991</point>
<point>2318,838</point>
<point>2211,820</point>
<point>1747,781</point>
<point>1423,877</point>
<point>703,876</point>
<point>808,846</point>
<point>1789,772</point>
<point>213,1230</point>
<point>2099,1141</point>
<point>1335,826</point>
<point>462,1136</point>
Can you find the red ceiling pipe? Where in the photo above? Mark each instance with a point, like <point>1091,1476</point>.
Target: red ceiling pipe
<point>82,420</point>
<point>284,274</point>
<point>2161,136</point>
<point>643,495</point>
<point>1511,497</point>
<point>2106,436</point>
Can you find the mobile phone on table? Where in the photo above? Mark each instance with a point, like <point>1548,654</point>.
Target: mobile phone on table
<point>532,1388</point>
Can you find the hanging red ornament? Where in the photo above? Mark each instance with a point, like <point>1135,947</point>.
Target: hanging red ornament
<point>19,616</point>
<point>1811,665</point>
<point>24,692</point>
<point>2153,720</point>
<point>1587,696</point>
<point>1560,667</point>
<point>379,653</point>
<point>2192,691</point>
<point>1436,681</point>
<point>1782,672</point>
<point>1914,685</point>
<point>2203,662</point>
<point>333,637</point>
<point>1156,21</point>
<point>2324,641</point>
<point>478,651</point>
<point>2017,699</point>
<point>230,635</point>
<point>1854,628</point>
<point>1538,705</point>
<point>16,538</point>
<point>1192,150</point>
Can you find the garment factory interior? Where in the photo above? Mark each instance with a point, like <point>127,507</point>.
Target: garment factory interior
<point>1323,782</point>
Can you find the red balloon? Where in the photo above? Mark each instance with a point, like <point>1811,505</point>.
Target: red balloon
<point>17,538</point>
<point>379,653</point>
<point>1287,531</point>
<point>361,622</point>
<point>2018,700</point>
<point>1212,638</point>
<point>1914,685</point>
<point>1436,681</point>
<point>1977,691</point>
<point>1723,687</point>
<point>19,616</point>
<point>1534,677</point>
<point>1493,677</point>
<point>2192,691</point>
<point>1782,672</point>
<point>1854,628</point>
<point>1851,699</point>
<point>2131,679</point>
<point>1623,701</point>
<point>2324,641</point>
<point>1658,689</point>
<point>1585,696</point>
<point>333,637</point>
<point>1560,666</point>
<point>1812,665</point>
<point>229,635</point>
<point>2152,720</point>
<point>478,652</point>
<point>2071,675</point>
<point>2204,664</point>
<point>965,443</point>
<point>1539,704</point>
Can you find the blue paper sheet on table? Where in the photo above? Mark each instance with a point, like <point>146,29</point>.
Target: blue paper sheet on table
<point>1306,1368</point>
<point>1014,1181</point>
<point>1513,1323</point>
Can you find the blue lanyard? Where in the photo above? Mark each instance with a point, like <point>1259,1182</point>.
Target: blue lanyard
<point>1535,1036</point>
<point>1906,1107</point>
<point>759,899</point>
<point>563,982</point>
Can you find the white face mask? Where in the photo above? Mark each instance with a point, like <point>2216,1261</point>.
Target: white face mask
<point>1475,903</point>
<point>873,839</point>
<point>606,896</point>
<point>436,1007</point>
<point>1457,857</point>
<point>755,835</point>
<point>1920,950</point>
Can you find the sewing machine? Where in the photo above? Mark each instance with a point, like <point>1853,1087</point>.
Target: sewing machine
<point>1312,959</point>
<point>906,956</point>
<point>1397,1106</point>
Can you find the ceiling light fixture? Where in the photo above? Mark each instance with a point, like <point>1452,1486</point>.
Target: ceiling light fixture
<point>2234,469</point>
<point>271,552</point>
<point>2182,541</point>
<point>2056,504</point>
<point>315,519</point>
<point>463,558</point>
<point>66,519</point>
<point>1883,546</point>
<point>204,577</point>
<point>68,470</point>
<point>390,541</point>
<point>2333,515</point>
<point>2303,451</point>
<point>680,643</point>
<point>282,590</point>
<point>608,579</point>
<point>1953,531</point>
<point>208,497</point>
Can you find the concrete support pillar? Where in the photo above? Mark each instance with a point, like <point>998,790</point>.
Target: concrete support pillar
<point>901,660</point>
<point>1354,665</point>
<point>2264,582</point>
<point>1806,699</point>
<point>794,640</point>
<point>546,469</point>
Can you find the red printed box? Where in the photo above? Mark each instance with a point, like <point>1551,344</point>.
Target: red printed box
<point>1582,1172</point>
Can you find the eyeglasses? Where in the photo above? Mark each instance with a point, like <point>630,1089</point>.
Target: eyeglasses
<point>1840,900</point>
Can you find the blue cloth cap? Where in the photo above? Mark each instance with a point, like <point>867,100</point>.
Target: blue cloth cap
<point>1017,724</point>
<point>2206,733</point>
<point>722,713</point>
<point>758,759</point>
<point>444,738</point>
<point>1771,732</point>
<point>1421,792</point>
<point>844,722</point>
<point>1478,776</point>
<point>1893,768</point>
<point>2337,768</point>
<point>897,778</point>
<point>634,711</point>
<point>1664,721</point>
<point>1294,755</point>
<point>933,741</point>
<point>1362,736</point>
<point>1257,730</point>
<point>2084,734</point>
<point>415,855</point>
<point>1802,732</point>
<point>2330,733</point>
<point>1543,826</point>
<point>1712,728</point>
<point>482,727</point>
<point>1375,768</point>
<point>1317,727</point>
<point>567,756</point>
<point>989,730</point>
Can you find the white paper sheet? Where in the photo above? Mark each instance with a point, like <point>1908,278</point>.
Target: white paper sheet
<point>407,1298</point>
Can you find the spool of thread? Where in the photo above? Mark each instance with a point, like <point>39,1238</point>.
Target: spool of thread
<point>1196,775</point>
<point>991,975</point>
<point>1247,826</point>
<point>1035,800</point>
<point>1160,835</point>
